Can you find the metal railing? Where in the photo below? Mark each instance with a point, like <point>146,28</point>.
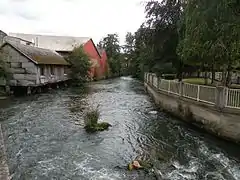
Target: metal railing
<point>155,81</point>
<point>164,85</point>
<point>175,87</point>
<point>191,91</point>
<point>233,98</point>
<point>206,94</point>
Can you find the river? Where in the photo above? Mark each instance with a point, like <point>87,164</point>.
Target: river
<point>45,139</point>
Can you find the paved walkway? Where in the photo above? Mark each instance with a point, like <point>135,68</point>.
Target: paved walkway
<point>4,171</point>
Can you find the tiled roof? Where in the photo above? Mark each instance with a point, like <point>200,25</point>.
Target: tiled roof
<point>38,55</point>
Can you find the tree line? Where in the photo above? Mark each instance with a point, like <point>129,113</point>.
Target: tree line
<point>180,36</point>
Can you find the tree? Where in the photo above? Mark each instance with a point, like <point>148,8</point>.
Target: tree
<point>211,36</point>
<point>112,47</point>
<point>128,49</point>
<point>80,65</point>
<point>157,38</point>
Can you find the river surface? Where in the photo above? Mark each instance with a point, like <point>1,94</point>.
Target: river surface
<point>45,138</point>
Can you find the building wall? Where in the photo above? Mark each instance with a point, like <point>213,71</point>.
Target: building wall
<point>26,73</point>
<point>91,51</point>
<point>104,64</point>
<point>58,74</point>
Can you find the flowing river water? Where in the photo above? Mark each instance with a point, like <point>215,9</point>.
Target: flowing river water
<point>45,139</point>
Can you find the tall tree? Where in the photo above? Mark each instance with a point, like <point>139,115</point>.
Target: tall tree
<point>111,44</point>
<point>211,36</point>
<point>157,38</point>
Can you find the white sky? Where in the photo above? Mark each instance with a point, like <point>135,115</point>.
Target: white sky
<point>90,18</point>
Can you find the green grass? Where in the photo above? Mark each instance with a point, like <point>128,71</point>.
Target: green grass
<point>235,86</point>
<point>199,81</point>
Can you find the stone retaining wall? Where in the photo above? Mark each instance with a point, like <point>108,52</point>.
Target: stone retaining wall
<point>223,124</point>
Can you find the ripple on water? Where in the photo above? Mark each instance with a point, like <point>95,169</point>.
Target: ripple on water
<point>44,142</point>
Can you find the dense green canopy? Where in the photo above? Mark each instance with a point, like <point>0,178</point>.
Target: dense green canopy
<point>177,33</point>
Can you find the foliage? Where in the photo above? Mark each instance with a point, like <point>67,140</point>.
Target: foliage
<point>111,44</point>
<point>156,40</point>
<point>91,117</point>
<point>211,35</point>
<point>80,65</point>
<point>91,122</point>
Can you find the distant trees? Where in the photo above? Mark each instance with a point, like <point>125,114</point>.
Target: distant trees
<point>178,33</point>
<point>111,44</point>
<point>156,40</point>
<point>211,36</point>
<point>80,65</point>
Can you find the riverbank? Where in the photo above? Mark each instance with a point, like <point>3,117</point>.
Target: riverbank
<point>222,124</point>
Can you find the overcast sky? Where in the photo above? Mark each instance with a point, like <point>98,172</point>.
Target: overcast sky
<point>89,18</point>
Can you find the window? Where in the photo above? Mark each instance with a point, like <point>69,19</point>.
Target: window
<point>42,71</point>
<point>52,70</point>
<point>65,71</point>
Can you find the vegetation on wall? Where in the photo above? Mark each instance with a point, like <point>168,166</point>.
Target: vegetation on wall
<point>4,70</point>
<point>80,65</point>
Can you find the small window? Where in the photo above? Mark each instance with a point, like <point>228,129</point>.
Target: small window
<point>42,71</point>
<point>52,70</point>
<point>65,71</point>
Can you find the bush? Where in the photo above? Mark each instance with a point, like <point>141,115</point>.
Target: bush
<point>80,65</point>
<point>91,122</point>
<point>91,117</point>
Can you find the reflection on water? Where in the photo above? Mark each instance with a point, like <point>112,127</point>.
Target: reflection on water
<point>45,138</point>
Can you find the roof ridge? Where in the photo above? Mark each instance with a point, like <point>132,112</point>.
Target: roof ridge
<point>51,35</point>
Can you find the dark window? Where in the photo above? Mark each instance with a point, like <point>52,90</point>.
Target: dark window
<point>52,70</point>
<point>42,71</point>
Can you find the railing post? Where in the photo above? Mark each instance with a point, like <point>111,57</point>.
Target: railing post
<point>221,97</point>
<point>158,83</point>
<point>181,88</point>
<point>226,98</point>
<point>198,93</point>
<point>152,80</point>
<point>169,86</point>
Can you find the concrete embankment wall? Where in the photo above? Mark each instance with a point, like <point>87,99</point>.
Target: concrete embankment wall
<point>221,123</point>
<point>4,171</point>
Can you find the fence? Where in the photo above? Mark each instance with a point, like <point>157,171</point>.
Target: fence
<point>206,94</point>
<point>233,98</point>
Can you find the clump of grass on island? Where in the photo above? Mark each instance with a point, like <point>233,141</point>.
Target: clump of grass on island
<point>91,122</point>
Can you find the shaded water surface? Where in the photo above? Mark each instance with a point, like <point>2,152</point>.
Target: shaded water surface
<point>45,138</point>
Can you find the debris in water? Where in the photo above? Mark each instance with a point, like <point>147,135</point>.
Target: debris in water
<point>134,165</point>
<point>153,112</point>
